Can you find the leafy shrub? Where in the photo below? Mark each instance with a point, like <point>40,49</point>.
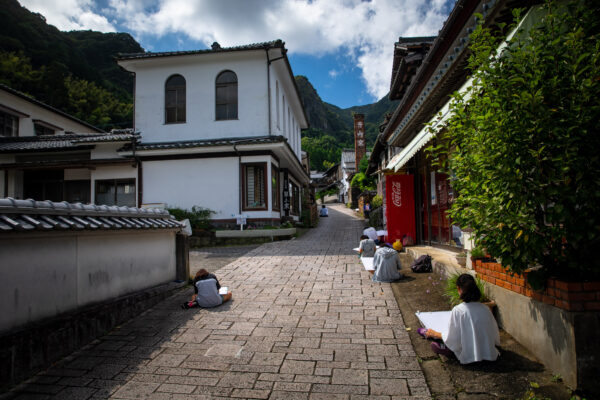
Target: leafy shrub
<point>199,216</point>
<point>376,202</point>
<point>522,143</point>
<point>451,291</point>
<point>477,252</point>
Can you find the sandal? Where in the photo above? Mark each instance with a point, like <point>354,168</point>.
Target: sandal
<point>422,332</point>
<point>440,348</point>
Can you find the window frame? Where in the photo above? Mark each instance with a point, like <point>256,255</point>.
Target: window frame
<point>176,89</point>
<point>6,116</point>
<point>115,183</point>
<point>265,182</point>
<point>227,104</point>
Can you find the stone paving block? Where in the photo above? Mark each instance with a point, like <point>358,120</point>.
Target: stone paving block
<point>297,367</point>
<point>349,377</point>
<point>312,379</point>
<point>340,389</point>
<point>176,388</point>
<point>168,360</point>
<point>134,390</point>
<point>76,393</point>
<point>282,395</point>
<point>267,358</point>
<point>388,386</point>
<point>238,379</point>
<point>328,396</point>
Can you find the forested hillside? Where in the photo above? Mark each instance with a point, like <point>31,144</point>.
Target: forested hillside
<point>73,71</point>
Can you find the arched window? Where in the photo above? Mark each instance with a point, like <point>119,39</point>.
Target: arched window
<point>226,96</point>
<point>175,99</point>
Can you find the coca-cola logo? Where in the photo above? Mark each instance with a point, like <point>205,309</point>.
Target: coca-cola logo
<point>397,194</point>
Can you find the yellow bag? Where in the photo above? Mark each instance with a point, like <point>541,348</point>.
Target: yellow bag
<point>397,245</point>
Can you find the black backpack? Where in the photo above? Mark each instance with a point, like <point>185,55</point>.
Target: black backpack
<point>422,264</point>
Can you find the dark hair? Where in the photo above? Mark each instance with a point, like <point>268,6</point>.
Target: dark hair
<point>201,273</point>
<point>364,237</point>
<point>323,206</point>
<point>468,286</point>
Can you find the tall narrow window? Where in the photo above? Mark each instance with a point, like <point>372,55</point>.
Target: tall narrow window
<point>277,101</point>
<point>226,96</point>
<point>254,186</point>
<point>175,99</point>
<point>283,116</point>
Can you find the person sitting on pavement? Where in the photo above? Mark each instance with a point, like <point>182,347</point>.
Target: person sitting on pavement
<point>472,332</point>
<point>367,210</point>
<point>206,291</point>
<point>387,264</point>
<point>324,212</point>
<point>367,247</point>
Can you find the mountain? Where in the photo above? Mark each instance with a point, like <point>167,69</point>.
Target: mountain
<point>38,59</point>
<point>332,128</point>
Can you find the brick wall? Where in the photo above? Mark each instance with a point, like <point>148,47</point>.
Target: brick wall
<point>572,296</point>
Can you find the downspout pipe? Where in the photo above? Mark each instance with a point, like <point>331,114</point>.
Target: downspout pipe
<point>239,155</point>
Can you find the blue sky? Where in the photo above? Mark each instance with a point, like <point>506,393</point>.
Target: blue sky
<point>344,47</point>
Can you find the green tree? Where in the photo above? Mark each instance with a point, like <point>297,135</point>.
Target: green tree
<point>523,144</point>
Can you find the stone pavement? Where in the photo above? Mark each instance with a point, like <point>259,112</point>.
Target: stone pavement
<point>305,322</point>
<point>214,258</point>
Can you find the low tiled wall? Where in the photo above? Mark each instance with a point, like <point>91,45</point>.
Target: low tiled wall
<point>572,296</point>
<point>558,324</point>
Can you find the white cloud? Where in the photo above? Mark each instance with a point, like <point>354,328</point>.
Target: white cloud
<point>333,73</point>
<point>69,15</point>
<point>365,30</point>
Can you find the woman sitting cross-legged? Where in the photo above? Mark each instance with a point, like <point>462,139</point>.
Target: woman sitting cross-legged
<point>472,332</point>
<point>206,291</point>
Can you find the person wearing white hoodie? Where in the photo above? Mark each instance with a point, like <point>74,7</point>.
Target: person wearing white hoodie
<point>387,264</point>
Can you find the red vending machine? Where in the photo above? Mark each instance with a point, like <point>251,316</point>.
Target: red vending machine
<point>400,207</point>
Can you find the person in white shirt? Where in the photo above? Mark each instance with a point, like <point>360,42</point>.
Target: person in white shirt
<point>472,332</point>
<point>366,247</point>
<point>324,212</point>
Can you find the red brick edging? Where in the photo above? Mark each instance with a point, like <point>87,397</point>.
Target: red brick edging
<point>572,296</point>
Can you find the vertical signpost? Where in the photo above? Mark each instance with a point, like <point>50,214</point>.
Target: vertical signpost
<point>286,193</point>
<point>400,207</point>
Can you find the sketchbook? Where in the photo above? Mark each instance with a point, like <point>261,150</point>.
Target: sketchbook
<point>368,263</point>
<point>437,320</point>
<point>223,290</point>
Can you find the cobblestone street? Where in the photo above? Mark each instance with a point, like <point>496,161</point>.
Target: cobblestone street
<point>306,322</point>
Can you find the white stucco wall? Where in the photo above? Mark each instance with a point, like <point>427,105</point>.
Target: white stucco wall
<point>200,73</point>
<point>43,275</point>
<point>212,183</point>
<point>37,112</point>
<point>206,182</point>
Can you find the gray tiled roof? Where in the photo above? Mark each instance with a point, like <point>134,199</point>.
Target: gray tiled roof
<point>31,215</point>
<point>205,143</point>
<point>60,142</point>
<point>254,46</point>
